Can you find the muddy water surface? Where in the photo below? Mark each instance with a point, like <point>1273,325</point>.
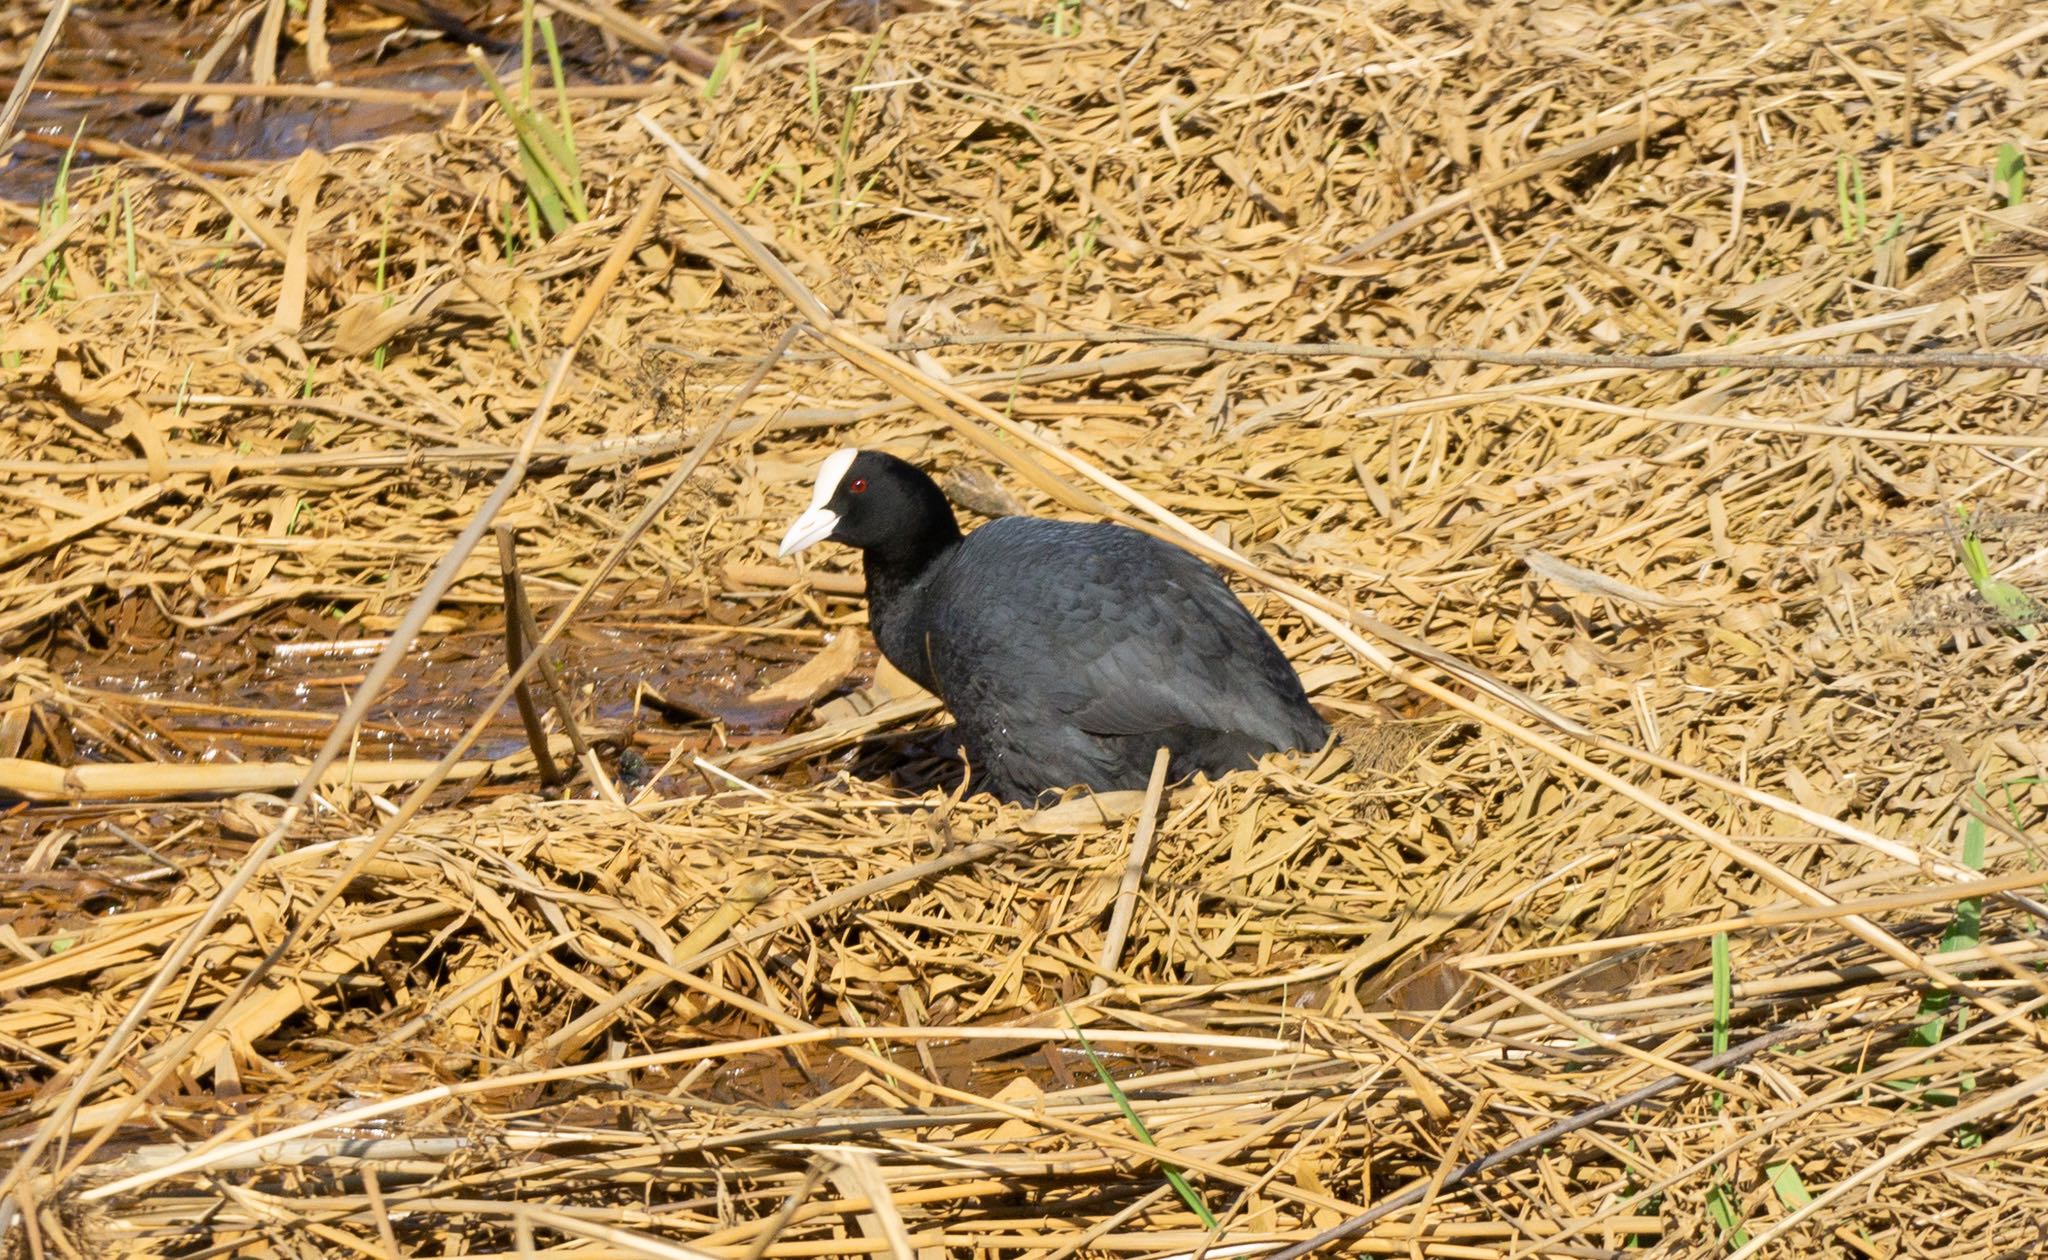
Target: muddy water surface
<point>241,696</point>
<point>106,52</point>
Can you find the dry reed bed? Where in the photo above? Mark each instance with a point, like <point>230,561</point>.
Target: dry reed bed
<point>838,1018</point>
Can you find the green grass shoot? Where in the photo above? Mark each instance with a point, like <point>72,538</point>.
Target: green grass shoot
<point>60,190</point>
<point>1964,931</point>
<point>526,16</point>
<point>1724,1001</point>
<point>1727,1216</point>
<point>1785,1183</point>
<point>1851,201</point>
<point>728,57</point>
<point>508,232</point>
<point>56,212</point>
<point>790,172</point>
<point>1646,1205</point>
<point>1173,1175</point>
<point>2014,606</point>
<point>844,159</point>
<point>548,162</point>
<point>1083,247</point>
<point>2009,173</point>
<point>564,120</point>
<point>1721,1202</point>
<point>228,237</point>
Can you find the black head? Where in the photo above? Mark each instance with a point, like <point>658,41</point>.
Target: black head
<point>878,503</point>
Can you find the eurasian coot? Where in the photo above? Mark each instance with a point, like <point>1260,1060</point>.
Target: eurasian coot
<point>1068,653</point>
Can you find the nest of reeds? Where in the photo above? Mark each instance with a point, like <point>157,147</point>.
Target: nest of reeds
<point>1668,890</point>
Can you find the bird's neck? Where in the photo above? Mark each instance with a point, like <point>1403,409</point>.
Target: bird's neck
<point>895,566</point>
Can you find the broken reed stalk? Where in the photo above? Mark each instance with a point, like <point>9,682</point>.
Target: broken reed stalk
<point>802,1035</point>
<point>551,678</point>
<point>1134,874</point>
<point>130,781</point>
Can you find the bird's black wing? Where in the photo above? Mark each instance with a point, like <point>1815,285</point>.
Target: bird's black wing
<point>1121,634</point>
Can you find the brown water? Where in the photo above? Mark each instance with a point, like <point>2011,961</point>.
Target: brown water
<point>104,52</point>
<point>415,46</point>
<point>662,676</point>
<point>143,689</point>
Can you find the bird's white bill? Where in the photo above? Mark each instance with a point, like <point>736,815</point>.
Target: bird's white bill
<point>813,526</point>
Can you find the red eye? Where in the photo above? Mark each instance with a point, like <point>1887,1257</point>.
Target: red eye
<point>859,485</point>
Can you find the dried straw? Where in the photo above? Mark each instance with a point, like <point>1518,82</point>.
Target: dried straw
<point>1585,399</point>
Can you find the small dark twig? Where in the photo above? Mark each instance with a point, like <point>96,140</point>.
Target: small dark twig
<point>551,677</point>
<point>517,636</point>
<point>550,671</point>
<point>814,1172</point>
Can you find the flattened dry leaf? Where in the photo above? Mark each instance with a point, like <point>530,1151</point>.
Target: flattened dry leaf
<point>35,336</point>
<point>814,677</point>
<point>371,319</point>
<point>1088,812</point>
<point>1328,674</point>
<point>890,684</point>
<point>975,489</point>
<point>302,184</point>
<point>1580,581</point>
